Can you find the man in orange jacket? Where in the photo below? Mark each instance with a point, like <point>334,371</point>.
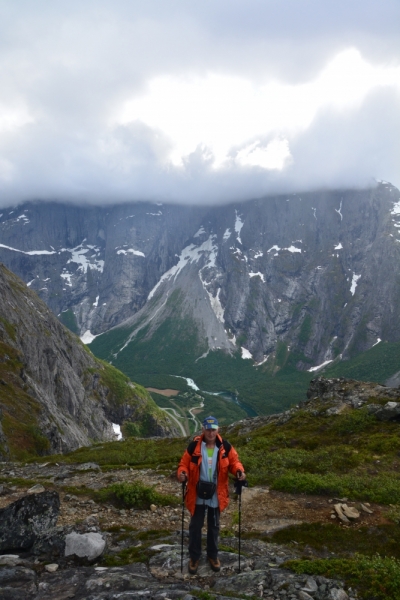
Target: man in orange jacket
<point>205,466</point>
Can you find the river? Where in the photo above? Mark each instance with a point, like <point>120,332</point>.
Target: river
<point>229,396</point>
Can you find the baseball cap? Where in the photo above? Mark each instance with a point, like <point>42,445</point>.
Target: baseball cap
<point>210,423</point>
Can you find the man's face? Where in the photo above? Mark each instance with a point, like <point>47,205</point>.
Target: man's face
<point>210,435</point>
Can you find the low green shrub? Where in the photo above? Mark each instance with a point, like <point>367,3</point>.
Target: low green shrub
<point>384,489</point>
<point>377,577</point>
<point>135,495</point>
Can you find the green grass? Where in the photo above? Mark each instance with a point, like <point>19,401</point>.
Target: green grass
<point>332,538</point>
<point>351,455</point>
<point>376,578</point>
<point>384,489</point>
<point>163,454</point>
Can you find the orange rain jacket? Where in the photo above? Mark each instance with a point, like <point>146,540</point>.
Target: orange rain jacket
<point>227,461</point>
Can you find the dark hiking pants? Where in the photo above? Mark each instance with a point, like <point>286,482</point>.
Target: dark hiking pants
<point>195,527</point>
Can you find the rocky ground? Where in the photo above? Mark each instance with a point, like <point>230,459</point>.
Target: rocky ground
<point>153,537</point>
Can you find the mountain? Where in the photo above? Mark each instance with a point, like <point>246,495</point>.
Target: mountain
<point>244,298</point>
<point>55,396</point>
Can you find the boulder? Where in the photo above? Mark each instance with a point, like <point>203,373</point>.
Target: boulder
<point>36,489</point>
<point>388,412</point>
<point>340,513</point>
<point>86,545</point>
<point>25,520</point>
<point>350,512</point>
<point>338,594</point>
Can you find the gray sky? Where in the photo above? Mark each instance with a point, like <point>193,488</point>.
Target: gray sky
<point>211,101</point>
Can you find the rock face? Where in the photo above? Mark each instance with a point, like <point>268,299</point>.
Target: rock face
<point>332,397</point>
<point>381,401</point>
<point>54,395</point>
<point>313,271</point>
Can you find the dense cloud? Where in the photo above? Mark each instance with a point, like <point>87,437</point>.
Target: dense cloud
<point>89,91</point>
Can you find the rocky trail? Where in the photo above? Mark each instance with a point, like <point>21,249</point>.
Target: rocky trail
<point>78,543</point>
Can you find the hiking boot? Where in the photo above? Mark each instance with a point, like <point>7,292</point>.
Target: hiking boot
<point>193,566</point>
<point>214,563</point>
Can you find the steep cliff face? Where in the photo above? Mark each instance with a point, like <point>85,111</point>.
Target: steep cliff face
<point>314,275</point>
<point>54,394</point>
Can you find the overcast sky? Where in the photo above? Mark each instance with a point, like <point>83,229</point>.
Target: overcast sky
<point>208,101</point>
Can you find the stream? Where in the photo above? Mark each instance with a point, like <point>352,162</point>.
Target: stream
<point>229,396</point>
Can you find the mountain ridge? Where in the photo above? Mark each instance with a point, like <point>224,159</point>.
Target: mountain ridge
<point>310,278</point>
<point>55,395</point>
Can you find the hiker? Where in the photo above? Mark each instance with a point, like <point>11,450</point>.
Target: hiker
<point>205,465</point>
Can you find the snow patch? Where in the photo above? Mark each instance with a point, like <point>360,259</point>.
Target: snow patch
<point>246,354</point>
<point>131,251</point>
<point>289,249</point>
<point>338,247</point>
<point>117,431</point>
<point>377,342</point>
<point>262,361</point>
<point>258,274</point>
<point>354,283</point>
<point>96,302</point>
<point>191,253</point>
<point>214,300</point>
<point>340,210</point>
<point>258,254</point>
<point>238,226</point>
<point>87,337</point>
<point>67,276</point>
<point>24,218</point>
<point>78,257</point>
<point>396,208</point>
<point>30,253</point>
<point>200,232</point>
<point>227,234</point>
<point>319,366</point>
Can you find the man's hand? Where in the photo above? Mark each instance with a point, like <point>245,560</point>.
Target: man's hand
<point>241,475</point>
<point>182,477</point>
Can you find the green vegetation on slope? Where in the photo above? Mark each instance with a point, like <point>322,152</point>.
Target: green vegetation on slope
<point>68,318</point>
<point>174,349</point>
<point>376,364</point>
<point>19,411</point>
<point>349,454</point>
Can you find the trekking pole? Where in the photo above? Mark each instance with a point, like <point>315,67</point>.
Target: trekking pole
<point>183,516</point>
<point>238,490</point>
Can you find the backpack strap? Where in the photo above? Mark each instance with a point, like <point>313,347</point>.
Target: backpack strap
<point>227,446</point>
<point>192,446</point>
